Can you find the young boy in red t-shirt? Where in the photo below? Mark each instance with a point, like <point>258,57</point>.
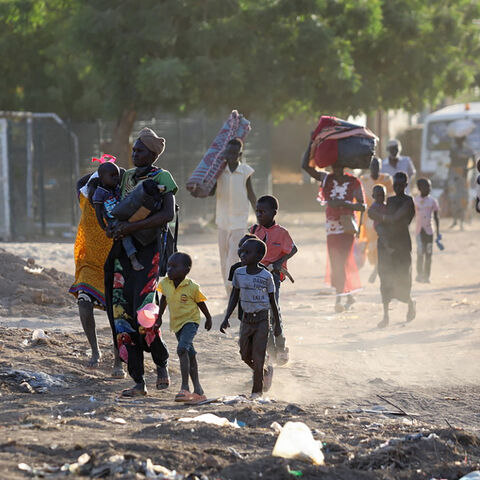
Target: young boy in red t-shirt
<point>280,248</point>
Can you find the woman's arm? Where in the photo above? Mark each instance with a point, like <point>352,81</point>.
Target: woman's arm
<point>158,219</point>
<point>317,175</point>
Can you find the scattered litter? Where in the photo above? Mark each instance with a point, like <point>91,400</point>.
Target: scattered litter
<point>412,437</point>
<point>39,337</point>
<point>276,427</point>
<point>41,382</point>
<point>472,476</point>
<point>90,414</point>
<point>296,442</point>
<point>92,399</point>
<point>26,387</point>
<point>236,453</point>
<point>118,420</point>
<point>33,270</point>
<point>460,303</point>
<point>25,468</point>
<point>295,473</point>
<point>232,399</point>
<point>211,419</point>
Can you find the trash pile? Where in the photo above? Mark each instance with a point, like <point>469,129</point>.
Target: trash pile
<point>27,289</point>
<point>87,466</point>
<point>32,382</point>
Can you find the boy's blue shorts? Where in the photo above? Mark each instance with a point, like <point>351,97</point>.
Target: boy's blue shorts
<point>185,337</point>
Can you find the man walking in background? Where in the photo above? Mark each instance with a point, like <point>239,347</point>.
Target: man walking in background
<point>398,163</point>
<point>234,192</point>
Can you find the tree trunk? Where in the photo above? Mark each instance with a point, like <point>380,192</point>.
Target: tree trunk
<point>120,146</point>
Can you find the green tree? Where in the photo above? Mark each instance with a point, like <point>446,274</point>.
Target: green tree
<point>104,58</point>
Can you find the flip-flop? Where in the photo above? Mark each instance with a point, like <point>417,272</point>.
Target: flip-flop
<point>196,399</point>
<point>163,383</point>
<point>183,396</point>
<point>133,392</point>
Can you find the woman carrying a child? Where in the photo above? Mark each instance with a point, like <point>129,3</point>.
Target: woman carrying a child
<point>127,290</point>
<point>343,195</point>
<point>90,252</point>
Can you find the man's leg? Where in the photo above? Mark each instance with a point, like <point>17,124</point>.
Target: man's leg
<point>385,320</point>
<point>223,252</point>
<point>85,309</point>
<point>233,239</point>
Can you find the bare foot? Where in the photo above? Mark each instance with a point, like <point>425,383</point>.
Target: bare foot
<point>94,360</point>
<point>412,310</point>
<point>350,301</point>
<point>339,308</point>
<point>118,372</point>
<point>383,323</point>
<point>136,265</point>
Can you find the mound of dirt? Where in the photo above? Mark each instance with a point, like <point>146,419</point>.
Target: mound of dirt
<point>29,290</point>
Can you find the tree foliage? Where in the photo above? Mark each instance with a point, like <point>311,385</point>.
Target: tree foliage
<point>91,58</point>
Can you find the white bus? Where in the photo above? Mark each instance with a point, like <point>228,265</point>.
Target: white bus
<point>435,158</point>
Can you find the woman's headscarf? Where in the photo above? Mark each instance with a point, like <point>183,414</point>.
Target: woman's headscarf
<point>152,141</point>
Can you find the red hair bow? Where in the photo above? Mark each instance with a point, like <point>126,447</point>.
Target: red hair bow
<point>105,158</point>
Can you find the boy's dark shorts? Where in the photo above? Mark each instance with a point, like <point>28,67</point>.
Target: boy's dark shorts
<point>185,337</point>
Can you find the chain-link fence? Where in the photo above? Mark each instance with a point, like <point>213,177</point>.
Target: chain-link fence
<point>187,140</point>
<point>41,158</point>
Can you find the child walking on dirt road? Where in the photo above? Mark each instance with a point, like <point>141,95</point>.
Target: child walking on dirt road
<point>184,299</point>
<point>254,286</point>
<point>280,248</point>
<point>425,207</point>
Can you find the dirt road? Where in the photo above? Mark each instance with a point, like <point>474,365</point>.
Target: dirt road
<point>339,365</point>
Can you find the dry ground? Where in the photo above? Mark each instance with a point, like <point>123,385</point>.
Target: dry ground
<point>339,366</point>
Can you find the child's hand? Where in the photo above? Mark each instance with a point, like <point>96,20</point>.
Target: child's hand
<point>208,324</point>
<point>225,324</point>
<point>277,331</point>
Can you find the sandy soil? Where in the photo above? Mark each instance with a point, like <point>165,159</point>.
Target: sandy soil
<point>340,366</point>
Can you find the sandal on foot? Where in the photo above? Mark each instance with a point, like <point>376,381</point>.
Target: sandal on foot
<point>183,396</point>
<point>162,383</point>
<point>133,392</point>
<point>196,398</point>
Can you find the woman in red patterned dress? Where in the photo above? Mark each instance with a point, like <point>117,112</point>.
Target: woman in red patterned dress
<point>343,195</point>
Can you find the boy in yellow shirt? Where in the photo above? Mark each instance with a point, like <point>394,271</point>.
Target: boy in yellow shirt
<point>184,299</point>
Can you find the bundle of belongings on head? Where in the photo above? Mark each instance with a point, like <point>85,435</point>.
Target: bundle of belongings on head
<point>204,177</point>
<point>335,140</point>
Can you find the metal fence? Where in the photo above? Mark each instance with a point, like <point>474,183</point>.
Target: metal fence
<point>41,157</point>
<point>187,140</point>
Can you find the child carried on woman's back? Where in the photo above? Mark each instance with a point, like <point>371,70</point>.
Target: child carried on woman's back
<point>376,212</point>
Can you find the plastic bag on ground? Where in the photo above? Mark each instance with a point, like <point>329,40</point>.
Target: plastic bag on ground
<point>296,442</point>
<point>211,419</point>
<point>472,476</point>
